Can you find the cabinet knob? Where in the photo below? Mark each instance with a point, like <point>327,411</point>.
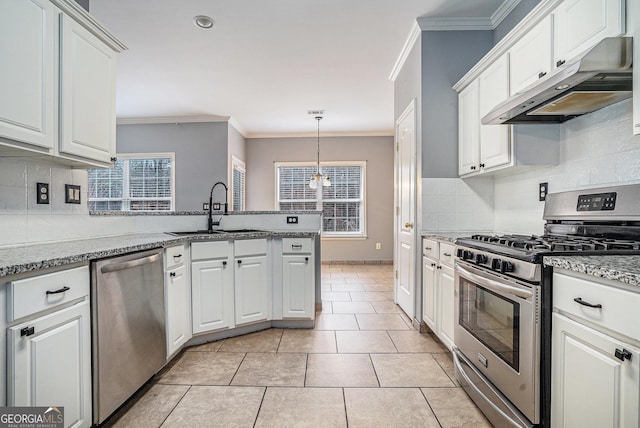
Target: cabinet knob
<point>113,159</point>
<point>481,165</point>
<point>623,354</point>
<point>542,74</point>
<point>306,259</point>
<point>433,265</point>
<point>27,331</point>
<point>473,167</point>
<point>239,262</point>
<point>172,274</point>
<point>224,263</point>
<point>560,62</point>
<point>439,267</point>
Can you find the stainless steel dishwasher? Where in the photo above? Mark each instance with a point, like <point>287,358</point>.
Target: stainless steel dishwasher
<point>128,327</point>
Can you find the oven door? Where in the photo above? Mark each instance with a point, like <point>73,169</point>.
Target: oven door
<point>498,330</point>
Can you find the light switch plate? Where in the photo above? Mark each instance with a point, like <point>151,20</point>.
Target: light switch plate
<point>71,194</point>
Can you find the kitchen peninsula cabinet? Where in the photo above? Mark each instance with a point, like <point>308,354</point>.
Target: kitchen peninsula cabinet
<point>212,286</point>
<point>51,344</point>
<point>59,93</point>
<point>177,293</point>
<point>297,279</point>
<point>595,378</point>
<point>251,285</point>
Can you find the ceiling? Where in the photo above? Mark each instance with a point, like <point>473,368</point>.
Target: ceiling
<point>265,63</point>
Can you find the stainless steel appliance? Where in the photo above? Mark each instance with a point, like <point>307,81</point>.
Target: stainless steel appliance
<point>503,308</point>
<point>128,327</point>
<point>598,78</point>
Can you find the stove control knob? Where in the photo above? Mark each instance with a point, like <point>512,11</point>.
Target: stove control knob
<point>481,259</point>
<point>467,255</point>
<point>459,252</point>
<point>496,264</point>
<point>506,267</point>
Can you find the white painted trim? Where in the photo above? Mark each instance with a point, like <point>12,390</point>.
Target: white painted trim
<point>169,119</point>
<point>541,11</point>
<point>429,23</point>
<point>503,11</point>
<point>414,34</point>
<point>234,163</point>
<point>324,134</point>
<point>236,125</point>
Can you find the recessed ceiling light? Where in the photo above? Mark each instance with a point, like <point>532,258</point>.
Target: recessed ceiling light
<point>203,21</point>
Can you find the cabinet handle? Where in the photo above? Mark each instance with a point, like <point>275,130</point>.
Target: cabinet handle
<point>114,159</point>
<point>296,246</point>
<point>172,274</point>
<point>559,62</point>
<point>27,331</point>
<point>481,165</point>
<point>427,248</point>
<point>542,74</point>
<point>447,254</point>
<point>439,267</point>
<point>583,303</point>
<point>623,354</point>
<point>58,291</point>
<point>177,256</point>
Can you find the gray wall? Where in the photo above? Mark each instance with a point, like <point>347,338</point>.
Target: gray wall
<point>408,83</point>
<point>514,17</point>
<point>446,57</point>
<point>377,151</point>
<point>201,155</point>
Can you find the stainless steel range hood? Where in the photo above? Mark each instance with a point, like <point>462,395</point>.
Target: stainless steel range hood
<point>598,78</point>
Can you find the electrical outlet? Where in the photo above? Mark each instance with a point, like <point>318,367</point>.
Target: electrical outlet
<point>378,246</point>
<point>543,189</point>
<point>42,191</point>
<point>292,219</point>
<point>205,207</point>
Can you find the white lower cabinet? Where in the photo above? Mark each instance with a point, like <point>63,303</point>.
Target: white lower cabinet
<point>178,306</point>
<point>438,289</point>
<point>595,379</point>
<point>297,287</point>
<point>212,295</point>
<point>591,387</point>
<point>251,290</point>
<point>49,353</point>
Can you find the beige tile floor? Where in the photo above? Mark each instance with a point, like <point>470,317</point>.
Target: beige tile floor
<point>363,365</point>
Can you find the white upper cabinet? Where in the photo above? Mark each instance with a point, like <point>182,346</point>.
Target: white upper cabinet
<point>27,73</point>
<point>531,56</point>
<point>495,147</point>
<point>87,92</point>
<point>580,24</point>
<point>468,129</point>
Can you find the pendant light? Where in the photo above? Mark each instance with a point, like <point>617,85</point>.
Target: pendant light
<point>319,178</point>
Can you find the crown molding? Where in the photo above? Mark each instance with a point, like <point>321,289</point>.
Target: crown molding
<point>429,23</point>
<point>414,34</point>
<point>503,11</point>
<point>236,125</point>
<point>384,133</point>
<point>170,119</point>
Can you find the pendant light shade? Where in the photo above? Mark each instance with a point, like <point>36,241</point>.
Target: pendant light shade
<point>324,180</point>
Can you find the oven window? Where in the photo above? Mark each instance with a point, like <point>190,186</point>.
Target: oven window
<point>492,319</point>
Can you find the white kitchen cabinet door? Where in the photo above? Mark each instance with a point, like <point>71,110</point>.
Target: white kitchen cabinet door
<point>27,75</point>
<point>468,130</point>
<point>530,57</point>
<point>87,92</point>
<point>51,366</point>
<point>251,290</point>
<point>212,295</point>
<point>495,144</point>
<point>429,295</point>
<point>580,24</point>
<point>447,300</point>
<point>297,287</point>
<point>590,387</point>
<point>633,16</point>
<point>178,309</point>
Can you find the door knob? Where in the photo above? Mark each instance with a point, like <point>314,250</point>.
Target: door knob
<point>408,225</point>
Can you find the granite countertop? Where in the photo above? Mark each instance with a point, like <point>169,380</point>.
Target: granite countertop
<point>215,213</point>
<point>27,258</point>
<point>625,269</point>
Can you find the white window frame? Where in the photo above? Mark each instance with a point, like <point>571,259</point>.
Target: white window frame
<point>126,199</point>
<point>319,201</point>
<point>237,164</point>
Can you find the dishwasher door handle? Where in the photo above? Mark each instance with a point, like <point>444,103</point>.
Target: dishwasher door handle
<point>130,264</point>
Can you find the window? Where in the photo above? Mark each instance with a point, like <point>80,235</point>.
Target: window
<point>237,184</point>
<point>342,204</point>
<point>137,182</point>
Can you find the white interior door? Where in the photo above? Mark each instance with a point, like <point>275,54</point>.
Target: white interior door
<point>405,214</point>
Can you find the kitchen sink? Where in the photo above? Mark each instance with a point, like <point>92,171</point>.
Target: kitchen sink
<point>206,232</point>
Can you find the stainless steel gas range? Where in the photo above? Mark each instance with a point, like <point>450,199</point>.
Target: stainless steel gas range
<point>502,337</point>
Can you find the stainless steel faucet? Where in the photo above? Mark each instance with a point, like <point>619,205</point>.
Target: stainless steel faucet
<point>226,205</point>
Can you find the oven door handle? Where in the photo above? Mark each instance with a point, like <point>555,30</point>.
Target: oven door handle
<point>496,286</point>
